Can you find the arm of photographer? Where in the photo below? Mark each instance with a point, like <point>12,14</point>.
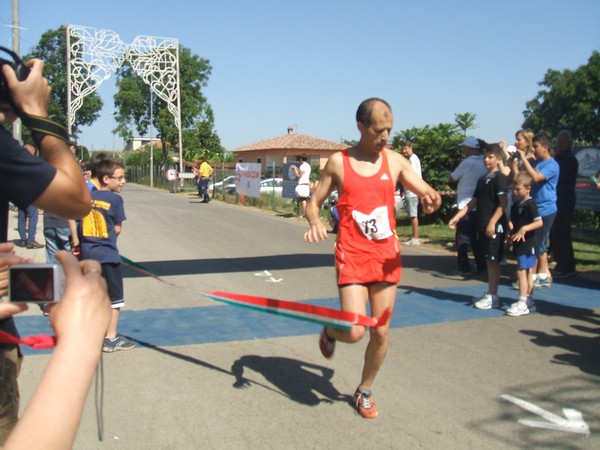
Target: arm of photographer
<point>31,96</point>
<point>80,320</point>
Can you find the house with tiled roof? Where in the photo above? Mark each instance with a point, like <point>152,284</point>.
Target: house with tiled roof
<point>288,148</point>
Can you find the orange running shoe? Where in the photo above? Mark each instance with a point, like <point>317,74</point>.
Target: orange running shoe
<point>326,344</point>
<point>364,404</point>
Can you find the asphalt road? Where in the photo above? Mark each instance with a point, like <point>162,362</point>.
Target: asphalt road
<point>207,375</point>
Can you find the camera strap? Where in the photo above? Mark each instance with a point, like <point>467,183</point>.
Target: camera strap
<point>41,127</point>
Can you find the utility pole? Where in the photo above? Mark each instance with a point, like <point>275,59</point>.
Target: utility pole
<point>16,48</point>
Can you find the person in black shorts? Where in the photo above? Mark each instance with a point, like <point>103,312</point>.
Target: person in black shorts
<point>490,200</point>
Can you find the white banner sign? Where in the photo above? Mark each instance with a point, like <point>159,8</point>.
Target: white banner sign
<point>247,179</point>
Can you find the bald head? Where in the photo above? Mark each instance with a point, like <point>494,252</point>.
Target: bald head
<point>364,113</point>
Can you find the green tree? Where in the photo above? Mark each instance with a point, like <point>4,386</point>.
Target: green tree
<point>202,140</point>
<point>349,142</point>
<point>465,121</point>
<point>569,100</point>
<point>438,148</point>
<point>52,49</point>
<point>132,102</point>
<point>82,153</point>
<point>141,157</point>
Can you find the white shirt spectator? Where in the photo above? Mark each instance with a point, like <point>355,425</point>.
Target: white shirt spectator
<point>415,162</point>
<point>466,174</point>
<point>304,173</point>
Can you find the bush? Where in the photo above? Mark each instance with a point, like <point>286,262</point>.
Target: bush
<point>586,219</point>
<point>142,158</point>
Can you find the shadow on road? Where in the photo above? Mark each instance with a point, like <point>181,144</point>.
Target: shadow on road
<point>582,343</point>
<point>229,265</point>
<point>297,380</point>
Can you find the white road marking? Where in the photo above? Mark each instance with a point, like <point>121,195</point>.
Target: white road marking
<point>573,423</point>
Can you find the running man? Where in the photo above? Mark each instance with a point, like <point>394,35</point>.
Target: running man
<point>367,249</point>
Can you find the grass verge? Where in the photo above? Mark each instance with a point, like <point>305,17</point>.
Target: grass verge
<point>587,255</point>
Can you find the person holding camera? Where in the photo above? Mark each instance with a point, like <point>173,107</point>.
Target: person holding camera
<point>80,320</point>
<point>58,187</point>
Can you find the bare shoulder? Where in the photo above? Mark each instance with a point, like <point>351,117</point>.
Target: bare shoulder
<point>396,161</point>
<point>393,155</point>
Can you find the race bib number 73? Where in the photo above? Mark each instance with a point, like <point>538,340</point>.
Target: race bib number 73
<point>375,225</point>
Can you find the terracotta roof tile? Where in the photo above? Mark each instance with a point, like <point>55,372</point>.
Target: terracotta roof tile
<point>292,141</point>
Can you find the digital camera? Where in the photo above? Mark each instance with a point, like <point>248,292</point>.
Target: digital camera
<point>35,283</point>
<point>21,70</point>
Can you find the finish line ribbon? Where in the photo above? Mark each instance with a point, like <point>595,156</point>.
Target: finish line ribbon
<point>37,342</point>
<point>334,318</point>
<point>317,314</point>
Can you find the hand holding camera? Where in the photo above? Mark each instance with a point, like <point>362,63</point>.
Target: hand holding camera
<point>23,86</point>
<point>8,257</point>
<point>35,283</point>
<point>80,321</point>
<point>20,70</point>
<point>78,284</point>
<point>84,312</point>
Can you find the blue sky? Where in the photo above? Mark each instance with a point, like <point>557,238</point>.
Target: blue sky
<point>309,64</point>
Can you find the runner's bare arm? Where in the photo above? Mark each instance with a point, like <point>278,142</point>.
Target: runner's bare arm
<point>328,181</point>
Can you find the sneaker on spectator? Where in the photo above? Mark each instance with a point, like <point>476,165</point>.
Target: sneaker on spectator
<point>119,344</point>
<point>364,404</point>
<point>326,344</point>
<point>34,245</point>
<point>542,283</point>
<point>518,309</point>
<point>515,285</point>
<point>412,241</point>
<point>487,301</point>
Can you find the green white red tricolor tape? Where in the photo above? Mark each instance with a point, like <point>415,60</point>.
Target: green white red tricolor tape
<point>343,320</point>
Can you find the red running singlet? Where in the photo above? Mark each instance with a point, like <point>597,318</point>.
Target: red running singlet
<point>367,249</point>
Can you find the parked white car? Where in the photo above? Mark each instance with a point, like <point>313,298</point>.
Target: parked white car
<point>272,186</point>
<point>228,182</point>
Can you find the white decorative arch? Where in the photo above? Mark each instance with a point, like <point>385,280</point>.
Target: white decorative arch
<point>156,60</point>
<point>94,54</point>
